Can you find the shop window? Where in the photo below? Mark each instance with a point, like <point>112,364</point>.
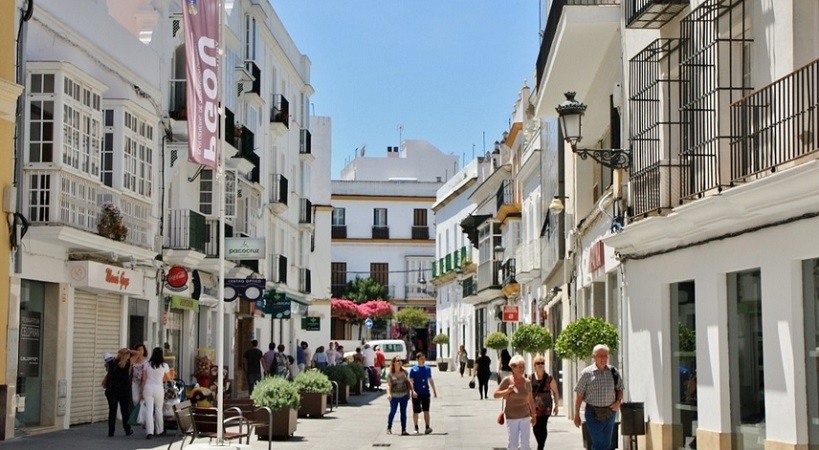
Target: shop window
<point>684,357</point>
<point>810,275</point>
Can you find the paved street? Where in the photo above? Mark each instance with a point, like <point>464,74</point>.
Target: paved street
<point>460,420</point>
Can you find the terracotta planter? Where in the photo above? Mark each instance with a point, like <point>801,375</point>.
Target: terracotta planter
<point>343,392</point>
<point>284,425</point>
<point>313,404</point>
<point>357,388</point>
<point>443,366</point>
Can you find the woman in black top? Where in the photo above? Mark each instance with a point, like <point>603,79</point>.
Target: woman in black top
<point>118,390</point>
<point>484,365</point>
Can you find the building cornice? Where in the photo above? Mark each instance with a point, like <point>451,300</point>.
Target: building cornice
<point>9,92</point>
<point>368,241</point>
<point>389,198</point>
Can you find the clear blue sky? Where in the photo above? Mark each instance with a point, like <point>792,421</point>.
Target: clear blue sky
<point>447,70</point>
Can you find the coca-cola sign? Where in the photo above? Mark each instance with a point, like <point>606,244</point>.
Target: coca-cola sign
<point>177,278</point>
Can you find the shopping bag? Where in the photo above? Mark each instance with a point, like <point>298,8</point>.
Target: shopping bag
<point>133,419</point>
<point>472,383</point>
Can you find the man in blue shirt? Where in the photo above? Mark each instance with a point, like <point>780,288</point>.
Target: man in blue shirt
<point>301,356</point>
<point>421,377</point>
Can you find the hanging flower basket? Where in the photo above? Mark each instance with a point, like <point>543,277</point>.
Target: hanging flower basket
<point>110,225</point>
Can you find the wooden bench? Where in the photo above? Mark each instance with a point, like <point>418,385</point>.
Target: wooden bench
<point>255,415</point>
<point>204,422</point>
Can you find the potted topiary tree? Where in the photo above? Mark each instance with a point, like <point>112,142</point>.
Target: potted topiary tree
<point>531,338</point>
<point>442,339</point>
<point>360,375</point>
<point>283,399</point>
<point>412,318</point>
<point>578,339</point>
<point>497,341</point>
<point>344,376</point>
<point>313,387</point>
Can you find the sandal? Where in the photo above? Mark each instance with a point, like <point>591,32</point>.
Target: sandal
<point>389,431</point>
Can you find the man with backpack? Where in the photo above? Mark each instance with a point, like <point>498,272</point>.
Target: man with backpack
<point>601,387</point>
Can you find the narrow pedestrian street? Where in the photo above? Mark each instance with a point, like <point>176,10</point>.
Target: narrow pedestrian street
<point>460,420</point>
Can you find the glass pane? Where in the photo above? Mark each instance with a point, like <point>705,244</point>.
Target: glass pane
<point>684,354</point>
<point>810,270</point>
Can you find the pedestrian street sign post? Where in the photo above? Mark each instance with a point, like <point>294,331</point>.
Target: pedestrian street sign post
<point>368,323</point>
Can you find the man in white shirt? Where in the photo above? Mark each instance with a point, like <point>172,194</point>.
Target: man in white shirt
<point>332,354</point>
<point>369,356</point>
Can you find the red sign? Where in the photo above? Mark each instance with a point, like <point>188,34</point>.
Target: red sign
<point>511,313</point>
<point>596,256</point>
<point>177,277</point>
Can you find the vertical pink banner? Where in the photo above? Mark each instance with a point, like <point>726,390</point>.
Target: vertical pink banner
<point>202,43</point>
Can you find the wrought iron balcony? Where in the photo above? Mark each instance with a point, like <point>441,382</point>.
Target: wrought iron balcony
<point>305,143</point>
<point>178,104</point>
<point>420,232</point>
<point>652,13</point>
<point>245,143</point>
<point>305,211</point>
<point>775,125</point>
<point>186,230</point>
<point>278,193</point>
<point>280,112</point>
<point>381,232</point>
<point>254,70</point>
<point>339,232</point>
<point>507,200</point>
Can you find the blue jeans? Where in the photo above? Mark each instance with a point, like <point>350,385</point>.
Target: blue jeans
<point>599,432</point>
<point>395,403</point>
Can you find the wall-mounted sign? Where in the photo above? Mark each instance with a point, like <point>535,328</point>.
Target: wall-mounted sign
<point>244,248</point>
<point>105,277</point>
<point>28,364</point>
<point>177,278</point>
<point>190,304</point>
<point>311,323</point>
<point>511,313</point>
<point>249,289</point>
<point>597,256</point>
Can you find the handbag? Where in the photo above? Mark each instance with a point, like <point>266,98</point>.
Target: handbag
<point>472,383</point>
<point>133,419</point>
<point>602,413</point>
<point>502,416</point>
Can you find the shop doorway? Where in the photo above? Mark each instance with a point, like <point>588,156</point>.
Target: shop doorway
<point>29,366</point>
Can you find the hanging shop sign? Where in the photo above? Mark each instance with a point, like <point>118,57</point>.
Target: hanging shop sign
<point>249,289</point>
<point>104,277</point>
<point>311,323</point>
<point>511,313</point>
<point>178,302</point>
<point>276,304</point>
<point>244,248</point>
<point>177,278</point>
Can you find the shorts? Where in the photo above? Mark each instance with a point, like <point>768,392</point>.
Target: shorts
<point>420,403</point>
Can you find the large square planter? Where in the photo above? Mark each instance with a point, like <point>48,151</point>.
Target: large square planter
<point>343,392</point>
<point>357,388</point>
<point>443,366</point>
<point>284,425</point>
<point>313,404</point>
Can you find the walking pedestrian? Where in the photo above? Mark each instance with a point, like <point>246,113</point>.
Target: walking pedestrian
<point>520,407</point>
<point>504,369</point>
<point>601,387</point>
<point>253,365</point>
<point>155,375</point>
<point>282,363</point>
<point>320,358</point>
<point>269,360</point>
<point>462,358</point>
<point>332,355</point>
<point>399,390</point>
<point>484,371</point>
<point>546,398</point>
<point>421,376</point>
<point>301,356</point>
<point>118,390</point>
<point>139,356</point>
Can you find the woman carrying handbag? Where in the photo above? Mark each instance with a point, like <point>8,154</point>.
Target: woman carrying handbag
<point>545,396</point>
<point>519,408</point>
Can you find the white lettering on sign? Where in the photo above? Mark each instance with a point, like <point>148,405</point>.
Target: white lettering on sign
<point>210,83</point>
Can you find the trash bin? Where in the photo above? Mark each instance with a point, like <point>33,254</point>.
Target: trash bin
<point>632,419</point>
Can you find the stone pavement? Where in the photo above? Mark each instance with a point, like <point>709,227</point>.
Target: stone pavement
<point>460,420</point>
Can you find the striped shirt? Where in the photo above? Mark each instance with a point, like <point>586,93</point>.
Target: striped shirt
<point>597,386</point>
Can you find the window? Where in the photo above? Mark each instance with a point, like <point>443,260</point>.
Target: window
<point>250,38</point>
<point>379,217</point>
<point>339,217</point>
<point>380,272</point>
<point>137,169</point>
<point>419,217</point>
<point>206,192</point>
<point>684,360</point>
<point>230,193</point>
<point>338,278</point>
<point>41,131</point>
<point>82,128</point>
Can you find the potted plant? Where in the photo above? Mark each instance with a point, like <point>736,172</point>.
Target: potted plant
<point>578,339</point>
<point>497,341</point>
<point>283,399</point>
<point>344,376</point>
<point>442,339</point>
<point>360,375</point>
<point>313,387</point>
<point>412,318</point>
<point>531,338</point>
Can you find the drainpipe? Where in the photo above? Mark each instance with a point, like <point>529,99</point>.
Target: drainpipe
<point>19,139</point>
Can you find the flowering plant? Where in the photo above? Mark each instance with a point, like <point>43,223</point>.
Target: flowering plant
<point>347,310</point>
<point>110,225</point>
<point>377,309</point>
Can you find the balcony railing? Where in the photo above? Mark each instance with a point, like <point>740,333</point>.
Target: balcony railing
<point>254,70</point>
<point>178,104</point>
<point>212,237</point>
<point>508,271</point>
<point>56,197</point>
<point>419,290</point>
<point>776,124</point>
<point>305,142</point>
<point>278,269</point>
<point>280,112</point>
<point>420,232</point>
<point>245,142</point>
<point>305,211</point>
<point>185,230</point>
<point>278,189</point>
<point>550,30</point>
<point>381,232</point>
<point>339,232</point>
<point>652,13</point>
<point>305,283</point>
<point>507,194</point>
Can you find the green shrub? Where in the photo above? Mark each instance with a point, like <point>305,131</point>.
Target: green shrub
<point>412,317</point>
<point>497,341</point>
<point>276,393</point>
<point>578,339</point>
<point>313,381</point>
<point>358,371</point>
<point>441,339</point>
<point>532,338</point>
<point>342,374</point>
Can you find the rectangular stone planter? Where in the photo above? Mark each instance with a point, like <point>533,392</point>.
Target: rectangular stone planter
<point>313,404</point>
<point>343,392</point>
<point>284,425</point>
<point>357,388</point>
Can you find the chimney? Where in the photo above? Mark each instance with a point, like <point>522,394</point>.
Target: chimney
<point>392,152</point>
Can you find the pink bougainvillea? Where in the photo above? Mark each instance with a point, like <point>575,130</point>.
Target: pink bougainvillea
<point>347,310</point>
<point>377,309</point>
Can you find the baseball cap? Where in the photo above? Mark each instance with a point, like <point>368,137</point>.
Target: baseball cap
<point>107,357</point>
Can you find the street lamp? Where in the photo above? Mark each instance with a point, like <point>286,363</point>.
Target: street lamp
<point>499,251</point>
<point>571,122</point>
<point>556,206</point>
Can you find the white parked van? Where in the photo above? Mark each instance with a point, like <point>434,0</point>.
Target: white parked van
<point>390,347</point>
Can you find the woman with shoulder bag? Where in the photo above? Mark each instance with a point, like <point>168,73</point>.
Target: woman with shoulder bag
<point>484,365</point>
<point>519,410</point>
<point>399,390</point>
<point>545,396</point>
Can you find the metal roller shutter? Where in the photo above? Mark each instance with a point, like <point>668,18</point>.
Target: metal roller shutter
<point>96,331</point>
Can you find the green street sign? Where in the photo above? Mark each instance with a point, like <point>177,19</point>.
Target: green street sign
<point>311,323</point>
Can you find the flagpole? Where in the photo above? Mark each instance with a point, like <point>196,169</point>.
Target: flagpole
<point>220,310</point>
